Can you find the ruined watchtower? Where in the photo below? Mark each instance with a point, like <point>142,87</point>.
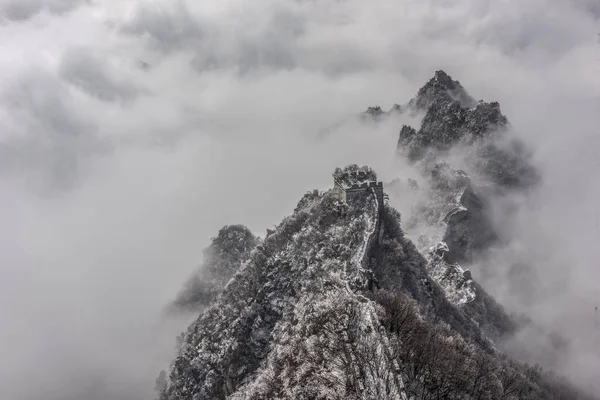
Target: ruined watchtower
<point>354,181</point>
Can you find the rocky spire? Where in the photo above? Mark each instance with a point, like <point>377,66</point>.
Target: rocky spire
<point>441,87</point>
<point>451,116</point>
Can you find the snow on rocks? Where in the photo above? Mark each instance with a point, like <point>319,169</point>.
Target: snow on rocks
<point>455,281</point>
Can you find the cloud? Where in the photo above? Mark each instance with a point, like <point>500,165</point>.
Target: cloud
<point>45,135</point>
<point>21,10</point>
<point>589,6</point>
<point>92,74</point>
<point>132,131</point>
<point>272,35</point>
<point>167,27</point>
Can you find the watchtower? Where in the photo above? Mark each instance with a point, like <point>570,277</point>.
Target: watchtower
<point>347,193</point>
<point>353,182</point>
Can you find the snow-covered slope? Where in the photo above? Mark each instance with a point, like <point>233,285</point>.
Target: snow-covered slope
<point>294,299</point>
<point>338,303</point>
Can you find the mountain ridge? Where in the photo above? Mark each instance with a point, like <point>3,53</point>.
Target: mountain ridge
<point>337,302</point>
<point>280,327</point>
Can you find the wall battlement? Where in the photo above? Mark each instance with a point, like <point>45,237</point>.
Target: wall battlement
<point>347,193</point>
<point>365,185</point>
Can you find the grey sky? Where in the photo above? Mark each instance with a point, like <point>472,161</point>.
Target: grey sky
<point>114,176</point>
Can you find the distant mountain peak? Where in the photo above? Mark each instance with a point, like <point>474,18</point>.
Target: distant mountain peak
<point>444,79</point>
<point>441,86</point>
<point>375,111</point>
<point>451,116</point>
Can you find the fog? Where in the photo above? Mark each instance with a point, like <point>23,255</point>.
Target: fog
<point>130,133</point>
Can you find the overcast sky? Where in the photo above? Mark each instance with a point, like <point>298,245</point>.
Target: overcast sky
<point>130,132</point>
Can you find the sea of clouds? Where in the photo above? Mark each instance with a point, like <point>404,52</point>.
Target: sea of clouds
<point>130,132</point>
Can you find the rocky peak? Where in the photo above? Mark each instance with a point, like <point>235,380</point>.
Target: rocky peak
<point>441,87</point>
<point>374,111</point>
<point>444,79</point>
<point>451,117</point>
<point>484,117</point>
<point>396,108</point>
<point>406,133</point>
<point>227,251</point>
<point>373,114</point>
<point>233,241</point>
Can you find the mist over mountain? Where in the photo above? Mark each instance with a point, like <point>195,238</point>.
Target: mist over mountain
<point>132,132</point>
<point>338,302</point>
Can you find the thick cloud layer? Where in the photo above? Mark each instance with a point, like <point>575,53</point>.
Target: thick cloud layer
<point>21,10</point>
<point>132,131</point>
